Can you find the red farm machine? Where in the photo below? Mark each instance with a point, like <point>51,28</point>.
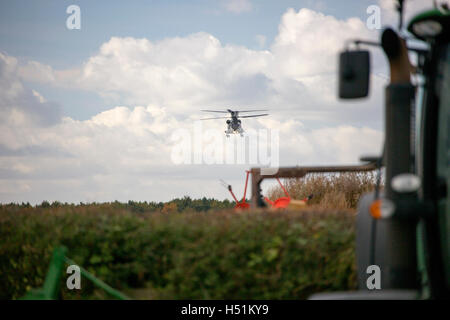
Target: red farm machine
<point>280,203</point>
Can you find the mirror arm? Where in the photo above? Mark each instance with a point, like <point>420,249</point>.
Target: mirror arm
<point>366,42</point>
<point>377,44</point>
<point>358,42</point>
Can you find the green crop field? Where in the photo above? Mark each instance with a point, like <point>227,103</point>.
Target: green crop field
<point>216,255</point>
<point>190,249</point>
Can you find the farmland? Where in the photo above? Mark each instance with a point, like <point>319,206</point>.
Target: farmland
<point>191,253</point>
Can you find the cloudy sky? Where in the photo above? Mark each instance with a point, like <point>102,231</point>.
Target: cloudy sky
<point>95,114</point>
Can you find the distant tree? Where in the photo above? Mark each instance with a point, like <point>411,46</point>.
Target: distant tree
<point>170,207</point>
<point>45,204</point>
<point>55,204</point>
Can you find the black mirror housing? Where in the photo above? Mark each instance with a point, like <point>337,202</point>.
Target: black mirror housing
<point>354,71</point>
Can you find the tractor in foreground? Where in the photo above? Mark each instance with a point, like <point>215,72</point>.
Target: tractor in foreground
<point>402,231</point>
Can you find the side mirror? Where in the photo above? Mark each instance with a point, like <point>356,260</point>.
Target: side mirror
<point>354,71</point>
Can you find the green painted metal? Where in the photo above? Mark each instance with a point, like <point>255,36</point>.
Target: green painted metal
<point>421,264</point>
<point>433,14</point>
<point>52,284</point>
<point>108,289</point>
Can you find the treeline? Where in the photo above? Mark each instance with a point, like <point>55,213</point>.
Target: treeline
<point>175,205</point>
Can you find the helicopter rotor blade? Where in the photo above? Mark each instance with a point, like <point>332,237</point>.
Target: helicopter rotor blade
<point>215,118</point>
<point>214,111</point>
<point>223,183</point>
<point>251,111</point>
<point>254,115</point>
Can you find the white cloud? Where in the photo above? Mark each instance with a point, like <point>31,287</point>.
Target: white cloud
<point>308,42</point>
<point>157,87</point>
<point>197,71</point>
<point>19,105</point>
<point>179,73</point>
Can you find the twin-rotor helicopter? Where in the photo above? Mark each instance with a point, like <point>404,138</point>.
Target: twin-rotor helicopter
<point>234,123</point>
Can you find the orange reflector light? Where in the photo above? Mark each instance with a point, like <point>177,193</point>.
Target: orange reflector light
<point>382,209</point>
<point>375,209</point>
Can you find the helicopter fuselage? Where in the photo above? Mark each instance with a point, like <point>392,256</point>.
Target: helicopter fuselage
<point>234,125</point>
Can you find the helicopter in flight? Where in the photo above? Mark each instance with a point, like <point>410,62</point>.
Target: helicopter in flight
<point>234,122</point>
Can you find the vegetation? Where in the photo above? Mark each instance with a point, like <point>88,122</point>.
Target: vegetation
<point>191,249</point>
<point>217,255</point>
<point>330,191</point>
